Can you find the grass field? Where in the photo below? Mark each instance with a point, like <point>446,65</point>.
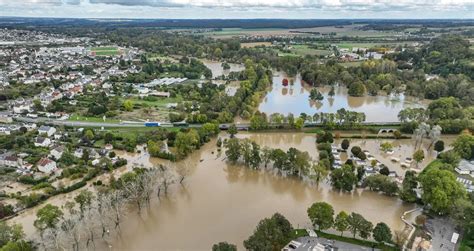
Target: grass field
<point>105,51</point>
<point>77,117</point>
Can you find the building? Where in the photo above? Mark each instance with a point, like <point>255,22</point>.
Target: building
<point>465,167</point>
<point>48,130</point>
<point>58,151</point>
<point>42,142</point>
<point>46,165</point>
<point>11,161</point>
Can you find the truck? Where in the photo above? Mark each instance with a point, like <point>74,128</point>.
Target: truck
<point>152,124</point>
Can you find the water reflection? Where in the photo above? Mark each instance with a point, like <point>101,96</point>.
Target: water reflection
<point>295,99</point>
<point>217,70</point>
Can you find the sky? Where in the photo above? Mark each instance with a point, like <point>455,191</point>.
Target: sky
<point>230,9</point>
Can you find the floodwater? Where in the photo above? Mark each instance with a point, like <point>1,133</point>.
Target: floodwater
<point>223,202</point>
<point>217,70</point>
<point>295,99</point>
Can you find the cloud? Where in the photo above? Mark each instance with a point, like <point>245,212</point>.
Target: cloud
<point>241,8</point>
<point>375,5</point>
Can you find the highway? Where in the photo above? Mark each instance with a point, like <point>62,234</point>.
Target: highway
<point>242,126</point>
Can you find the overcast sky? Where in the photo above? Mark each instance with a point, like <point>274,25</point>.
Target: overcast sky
<point>185,9</point>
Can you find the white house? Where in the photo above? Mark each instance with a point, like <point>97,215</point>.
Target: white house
<point>465,167</point>
<point>48,130</point>
<point>57,152</point>
<point>79,152</point>
<point>42,142</point>
<point>46,165</point>
<point>12,161</point>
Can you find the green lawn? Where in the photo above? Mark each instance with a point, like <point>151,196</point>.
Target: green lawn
<point>359,242</point>
<point>106,53</point>
<point>105,48</point>
<point>77,117</point>
<point>159,102</point>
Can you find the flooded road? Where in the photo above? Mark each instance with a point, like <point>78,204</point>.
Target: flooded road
<point>223,202</point>
<point>295,99</point>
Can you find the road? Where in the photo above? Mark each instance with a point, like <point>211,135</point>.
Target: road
<point>241,126</point>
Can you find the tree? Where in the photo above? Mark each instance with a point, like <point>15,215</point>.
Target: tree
<point>186,142</point>
<point>386,146</point>
<point>128,105</point>
<point>332,92</point>
<point>355,222</point>
<point>382,233</point>
<point>89,134</point>
<point>440,189</point>
<point>232,131</point>
<point>271,234</point>
<point>9,233</point>
<point>224,246</point>
<point>345,144</point>
<point>233,149</point>
<point>321,214</point>
<point>319,172</point>
<point>409,184</point>
<point>48,217</point>
<point>315,95</point>
<point>418,156</point>
<point>356,89</point>
<point>343,178</point>
<point>340,223</point>
<point>439,146</point>
<point>464,146</point>
<point>84,199</point>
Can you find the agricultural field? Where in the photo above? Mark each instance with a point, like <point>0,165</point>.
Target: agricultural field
<point>303,50</point>
<point>105,51</point>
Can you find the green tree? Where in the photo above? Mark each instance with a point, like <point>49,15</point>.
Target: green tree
<point>224,246</point>
<point>332,92</point>
<point>359,225</point>
<point>271,234</point>
<point>439,146</point>
<point>343,178</point>
<point>89,134</point>
<point>340,223</point>
<point>440,189</point>
<point>386,146</point>
<point>233,151</point>
<point>321,215</point>
<point>232,131</point>
<point>382,233</point>
<point>319,172</point>
<point>84,199</point>
<point>128,105</point>
<point>345,144</point>
<point>418,156</point>
<point>185,143</point>
<point>48,217</point>
<point>464,146</point>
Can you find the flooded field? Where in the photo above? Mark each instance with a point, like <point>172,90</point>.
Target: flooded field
<point>217,70</point>
<point>295,99</point>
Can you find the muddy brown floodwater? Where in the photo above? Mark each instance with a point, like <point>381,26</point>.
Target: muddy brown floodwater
<point>295,99</point>
<point>223,202</point>
<point>217,70</point>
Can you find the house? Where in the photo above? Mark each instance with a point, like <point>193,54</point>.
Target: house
<point>12,161</point>
<point>108,147</point>
<point>78,153</point>
<point>42,142</point>
<point>48,130</point>
<point>46,165</point>
<point>58,151</point>
<point>465,167</point>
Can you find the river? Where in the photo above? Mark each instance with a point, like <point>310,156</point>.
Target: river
<point>295,99</point>
<point>223,202</point>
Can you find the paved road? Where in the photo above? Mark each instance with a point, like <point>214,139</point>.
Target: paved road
<point>242,126</point>
<point>441,230</point>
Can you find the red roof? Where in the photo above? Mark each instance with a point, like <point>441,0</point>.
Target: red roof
<point>44,162</point>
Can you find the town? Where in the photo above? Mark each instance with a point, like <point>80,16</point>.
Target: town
<point>335,136</point>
